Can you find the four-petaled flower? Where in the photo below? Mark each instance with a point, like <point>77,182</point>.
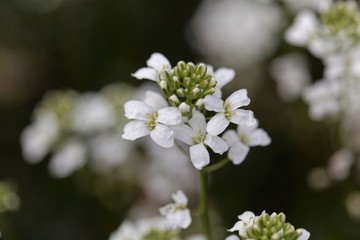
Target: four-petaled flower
<point>195,135</point>
<point>177,215</point>
<point>152,116</point>
<point>157,63</point>
<point>242,139</point>
<point>228,111</point>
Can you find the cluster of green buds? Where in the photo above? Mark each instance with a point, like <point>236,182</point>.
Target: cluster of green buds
<point>62,104</point>
<point>271,227</point>
<point>186,86</point>
<point>342,18</point>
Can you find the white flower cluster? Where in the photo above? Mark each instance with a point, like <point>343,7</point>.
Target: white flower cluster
<point>176,216</point>
<point>266,226</point>
<point>193,112</point>
<point>76,126</point>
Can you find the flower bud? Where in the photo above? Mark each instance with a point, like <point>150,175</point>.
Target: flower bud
<point>201,69</point>
<point>174,100</point>
<point>180,92</point>
<point>184,108</point>
<point>195,93</point>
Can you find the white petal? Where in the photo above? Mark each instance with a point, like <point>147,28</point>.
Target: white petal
<point>238,99</point>
<point>239,226</point>
<point>155,100</point>
<point>238,152</point>
<point>135,129</point>
<point>217,124</point>
<point>163,135</point>
<point>178,219</point>
<point>217,144</point>
<point>223,76</point>
<point>305,235</point>
<point>304,26</point>
<point>231,137</point>
<point>232,237</point>
<point>243,117</point>
<point>184,133</point>
<point>180,198</point>
<point>259,137</point>
<point>199,156</point>
<point>246,216</point>
<point>145,73</point>
<point>169,116</point>
<point>159,62</point>
<point>213,103</point>
<point>137,110</point>
<point>198,122</point>
<point>70,157</point>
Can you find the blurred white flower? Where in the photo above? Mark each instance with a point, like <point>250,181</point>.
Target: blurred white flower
<point>242,139</point>
<point>228,111</point>
<point>126,231</point>
<point>157,63</point>
<point>38,138</point>
<point>323,99</point>
<point>303,29</point>
<point>352,204</point>
<point>151,117</point>
<point>318,178</point>
<point>93,113</point>
<point>167,169</point>
<point>317,5</point>
<point>177,215</point>
<point>195,135</point>
<point>70,156</point>
<point>232,237</point>
<point>109,150</point>
<point>291,75</point>
<point>340,163</point>
<point>235,32</point>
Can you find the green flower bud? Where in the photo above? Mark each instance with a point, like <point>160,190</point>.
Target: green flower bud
<point>174,100</point>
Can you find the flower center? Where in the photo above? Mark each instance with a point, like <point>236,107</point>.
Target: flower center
<point>227,111</point>
<point>151,122</point>
<point>198,138</point>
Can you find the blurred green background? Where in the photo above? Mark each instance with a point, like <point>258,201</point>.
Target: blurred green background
<point>87,44</point>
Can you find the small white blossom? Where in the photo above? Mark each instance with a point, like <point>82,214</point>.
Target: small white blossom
<point>340,163</point>
<point>177,215</point>
<point>222,76</point>
<point>245,221</point>
<point>157,63</point>
<point>232,237</point>
<point>93,113</point>
<point>305,235</point>
<point>126,231</point>
<point>195,135</point>
<point>303,28</point>
<point>228,111</point>
<point>38,138</point>
<point>68,158</point>
<point>151,117</point>
<point>241,140</point>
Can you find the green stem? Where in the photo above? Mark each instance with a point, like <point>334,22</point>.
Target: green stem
<point>204,204</point>
<point>217,166</point>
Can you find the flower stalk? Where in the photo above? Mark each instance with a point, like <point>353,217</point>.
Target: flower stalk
<point>204,204</point>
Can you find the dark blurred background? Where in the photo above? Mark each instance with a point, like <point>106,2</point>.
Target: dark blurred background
<point>87,44</point>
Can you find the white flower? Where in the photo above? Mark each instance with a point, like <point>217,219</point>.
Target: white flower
<point>157,63</point>
<point>323,98</point>
<point>232,237</point>
<point>177,215</point>
<point>305,235</point>
<point>291,74</point>
<point>228,111</point>
<point>198,139</point>
<point>303,28</point>
<point>244,138</point>
<point>68,158</point>
<point>151,117</point>
<point>246,221</point>
<point>222,76</point>
<point>38,138</point>
<point>296,5</point>
<point>340,164</point>
<point>126,231</point>
<point>92,114</point>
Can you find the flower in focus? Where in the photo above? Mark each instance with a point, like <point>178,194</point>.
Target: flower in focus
<point>157,63</point>
<point>177,215</point>
<point>242,139</point>
<point>228,111</point>
<point>195,135</point>
<point>265,226</point>
<point>152,116</point>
